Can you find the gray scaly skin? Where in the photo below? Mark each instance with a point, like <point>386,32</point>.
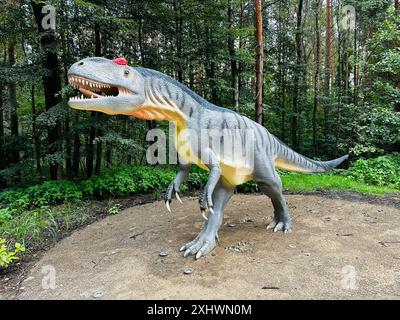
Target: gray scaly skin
<point>149,94</point>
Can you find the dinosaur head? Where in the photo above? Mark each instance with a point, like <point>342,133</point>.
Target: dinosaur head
<point>108,86</point>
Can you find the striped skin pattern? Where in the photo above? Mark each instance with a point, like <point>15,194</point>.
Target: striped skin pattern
<point>205,135</point>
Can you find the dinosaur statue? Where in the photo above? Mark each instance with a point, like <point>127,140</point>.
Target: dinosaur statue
<point>113,87</point>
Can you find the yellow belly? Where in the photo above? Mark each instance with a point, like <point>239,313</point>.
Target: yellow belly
<point>234,174</point>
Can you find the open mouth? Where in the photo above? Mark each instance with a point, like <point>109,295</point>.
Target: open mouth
<point>94,89</point>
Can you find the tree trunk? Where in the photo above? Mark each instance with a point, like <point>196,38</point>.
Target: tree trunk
<point>12,92</point>
<point>76,155</point>
<point>259,62</point>
<point>233,62</point>
<point>298,70</point>
<point>151,124</point>
<point>342,70</point>
<point>90,146</point>
<point>397,105</point>
<point>35,132</point>
<point>67,133</point>
<point>316,74</point>
<point>109,155</point>
<point>51,83</point>
<point>356,69</point>
<point>98,115</point>
<point>2,138</point>
<point>178,32</point>
<point>327,83</point>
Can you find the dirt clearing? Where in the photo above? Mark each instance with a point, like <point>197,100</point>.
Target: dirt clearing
<point>339,249</point>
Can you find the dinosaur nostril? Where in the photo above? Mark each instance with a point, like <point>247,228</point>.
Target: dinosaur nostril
<point>80,63</point>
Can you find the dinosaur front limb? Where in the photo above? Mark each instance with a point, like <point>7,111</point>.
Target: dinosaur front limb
<point>206,196</point>
<point>181,176</point>
<point>205,242</point>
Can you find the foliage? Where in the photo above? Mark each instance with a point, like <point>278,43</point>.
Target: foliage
<point>125,180</point>
<point>113,208</point>
<point>50,192</point>
<point>380,171</point>
<point>7,256</point>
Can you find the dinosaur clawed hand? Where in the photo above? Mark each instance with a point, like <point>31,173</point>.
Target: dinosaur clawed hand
<point>205,201</point>
<point>173,188</point>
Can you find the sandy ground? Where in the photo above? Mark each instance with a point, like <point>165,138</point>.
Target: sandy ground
<point>339,249</point>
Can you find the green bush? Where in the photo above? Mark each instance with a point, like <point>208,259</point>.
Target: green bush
<point>381,171</point>
<point>125,180</point>
<point>53,192</point>
<point>8,256</point>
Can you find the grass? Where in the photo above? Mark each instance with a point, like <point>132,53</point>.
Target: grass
<point>308,182</point>
<point>36,227</point>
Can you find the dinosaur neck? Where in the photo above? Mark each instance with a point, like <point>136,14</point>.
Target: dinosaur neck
<point>168,101</point>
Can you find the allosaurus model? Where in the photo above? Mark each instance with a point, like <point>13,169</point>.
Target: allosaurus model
<point>113,87</point>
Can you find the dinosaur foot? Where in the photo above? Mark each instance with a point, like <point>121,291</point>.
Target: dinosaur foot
<point>284,225</point>
<point>201,246</point>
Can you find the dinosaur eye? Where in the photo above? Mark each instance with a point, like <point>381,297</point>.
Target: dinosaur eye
<point>126,72</point>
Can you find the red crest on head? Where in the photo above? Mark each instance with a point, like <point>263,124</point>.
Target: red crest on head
<point>121,61</point>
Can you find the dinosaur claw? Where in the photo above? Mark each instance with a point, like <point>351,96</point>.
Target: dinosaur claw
<point>199,254</point>
<point>178,197</point>
<point>187,252</point>
<point>182,248</point>
<point>211,209</point>
<point>203,213</point>
<point>168,207</point>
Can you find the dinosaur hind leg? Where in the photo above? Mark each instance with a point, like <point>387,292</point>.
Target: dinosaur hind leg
<point>271,185</point>
<point>205,242</point>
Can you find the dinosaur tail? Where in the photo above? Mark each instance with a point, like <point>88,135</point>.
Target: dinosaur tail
<point>288,159</point>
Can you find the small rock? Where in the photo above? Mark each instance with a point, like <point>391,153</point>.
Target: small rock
<point>231,225</point>
<point>307,254</point>
<point>163,254</point>
<point>188,271</point>
<point>29,279</point>
<point>98,294</point>
<point>6,279</point>
<point>292,246</point>
<point>22,288</point>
